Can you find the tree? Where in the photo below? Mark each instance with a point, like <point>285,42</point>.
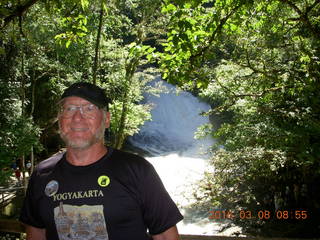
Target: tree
<point>259,62</point>
<point>120,62</point>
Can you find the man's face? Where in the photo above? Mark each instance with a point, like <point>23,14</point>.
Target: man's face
<point>79,130</point>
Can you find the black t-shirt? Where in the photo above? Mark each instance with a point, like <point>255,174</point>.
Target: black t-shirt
<point>119,197</point>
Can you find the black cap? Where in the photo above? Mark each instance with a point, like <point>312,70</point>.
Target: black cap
<point>88,91</point>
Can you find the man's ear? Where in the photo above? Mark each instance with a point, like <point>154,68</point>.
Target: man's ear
<point>107,119</point>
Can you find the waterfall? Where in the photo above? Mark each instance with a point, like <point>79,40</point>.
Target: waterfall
<point>176,155</point>
<point>175,119</point>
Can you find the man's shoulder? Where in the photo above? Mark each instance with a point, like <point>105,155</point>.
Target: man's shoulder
<point>123,158</point>
<point>49,163</point>
<point>130,169</point>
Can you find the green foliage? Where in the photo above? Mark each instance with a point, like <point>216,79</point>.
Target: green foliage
<point>241,174</point>
<point>123,89</point>
<point>194,27</point>
<point>139,51</point>
<point>257,63</point>
<point>17,133</point>
<point>55,45</point>
<point>136,116</point>
<point>18,139</point>
<point>75,30</point>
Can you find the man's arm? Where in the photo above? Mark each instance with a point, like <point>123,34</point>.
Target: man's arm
<point>34,233</point>
<point>170,234</point>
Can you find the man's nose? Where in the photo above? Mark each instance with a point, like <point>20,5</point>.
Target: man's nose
<point>78,114</point>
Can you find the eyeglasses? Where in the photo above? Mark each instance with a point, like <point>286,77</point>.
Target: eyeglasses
<point>87,111</point>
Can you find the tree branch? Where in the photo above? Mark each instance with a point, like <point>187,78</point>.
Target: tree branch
<point>213,35</point>
<point>303,16</point>
<point>316,2</point>
<point>19,11</point>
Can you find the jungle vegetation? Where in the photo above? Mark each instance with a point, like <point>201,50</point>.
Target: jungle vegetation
<point>256,62</point>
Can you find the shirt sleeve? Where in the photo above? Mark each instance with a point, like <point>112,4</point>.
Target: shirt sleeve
<point>159,211</point>
<point>30,210</point>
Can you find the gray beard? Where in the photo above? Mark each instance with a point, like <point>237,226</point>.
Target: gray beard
<point>81,144</point>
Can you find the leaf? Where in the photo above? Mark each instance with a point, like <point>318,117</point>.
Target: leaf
<point>68,43</point>
<point>84,4</point>
<point>133,44</point>
<point>233,27</point>
<point>105,7</point>
<point>150,50</point>
<point>305,59</point>
<point>187,5</point>
<point>169,8</point>
<point>150,57</point>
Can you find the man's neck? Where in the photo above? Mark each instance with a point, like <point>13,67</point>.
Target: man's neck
<point>83,157</point>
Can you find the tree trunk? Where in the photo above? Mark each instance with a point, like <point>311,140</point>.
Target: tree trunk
<point>120,133</point>
<point>130,70</point>
<point>31,115</point>
<point>23,97</point>
<point>96,56</point>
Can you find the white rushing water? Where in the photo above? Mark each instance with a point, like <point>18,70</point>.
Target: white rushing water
<point>177,156</point>
<point>175,118</point>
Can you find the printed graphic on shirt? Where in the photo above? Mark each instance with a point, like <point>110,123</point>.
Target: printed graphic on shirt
<point>80,222</point>
<point>77,195</point>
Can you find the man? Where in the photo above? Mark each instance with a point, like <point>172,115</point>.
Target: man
<point>92,191</point>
